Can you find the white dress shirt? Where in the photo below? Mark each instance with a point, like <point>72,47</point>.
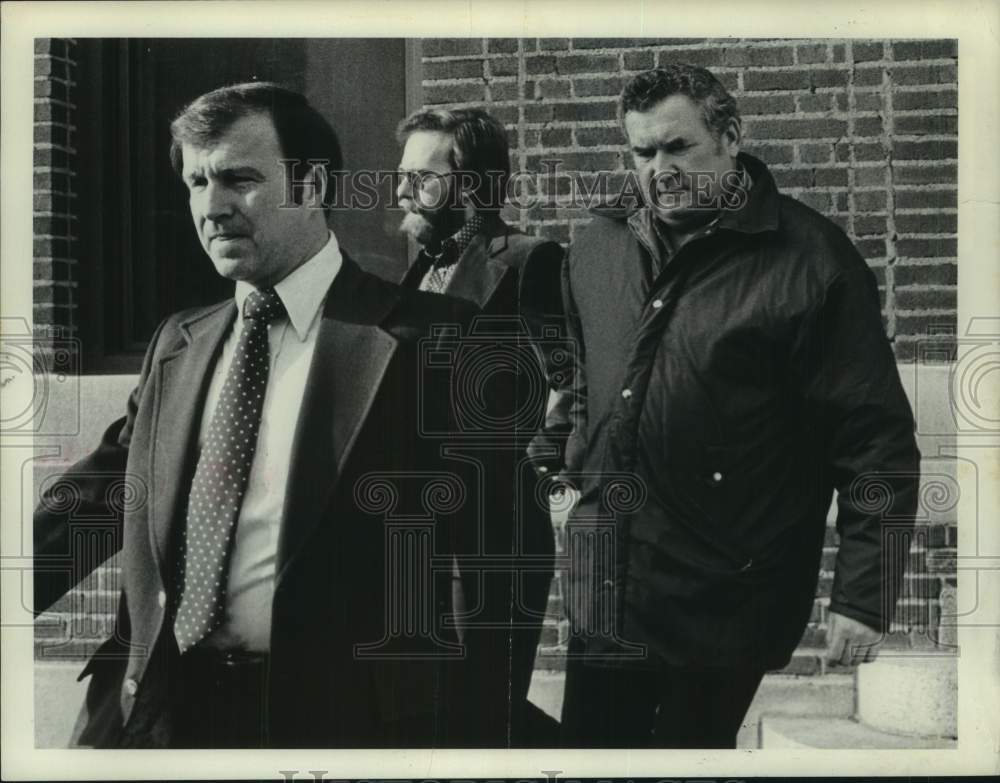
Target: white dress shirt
<point>291,342</point>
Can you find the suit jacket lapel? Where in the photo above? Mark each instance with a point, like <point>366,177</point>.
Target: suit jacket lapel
<point>350,359</point>
<point>179,404</point>
<point>479,271</point>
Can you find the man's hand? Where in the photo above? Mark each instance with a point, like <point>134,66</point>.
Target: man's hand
<point>850,642</point>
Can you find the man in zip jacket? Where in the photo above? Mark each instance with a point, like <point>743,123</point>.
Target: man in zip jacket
<point>733,371</point>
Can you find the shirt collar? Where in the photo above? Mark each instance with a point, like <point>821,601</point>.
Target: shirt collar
<point>304,289</point>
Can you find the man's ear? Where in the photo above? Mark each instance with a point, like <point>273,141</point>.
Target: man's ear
<point>316,187</point>
<point>731,138</point>
<point>465,184</point>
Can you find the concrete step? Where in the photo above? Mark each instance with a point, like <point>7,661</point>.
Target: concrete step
<point>911,692</point>
<point>831,697</point>
<point>806,661</point>
<point>838,733</point>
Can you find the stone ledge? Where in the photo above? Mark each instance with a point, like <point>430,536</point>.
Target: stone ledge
<point>838,734</point>
<point>914,692</point>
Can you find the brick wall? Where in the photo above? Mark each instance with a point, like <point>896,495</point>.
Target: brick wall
<point>54,219</point>
<point>863,131</point>
<point>76,625</point>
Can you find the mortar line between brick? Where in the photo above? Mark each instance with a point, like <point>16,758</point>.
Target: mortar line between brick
<point>522,155</point>
<point>890,206</point>
<point>852,106</point>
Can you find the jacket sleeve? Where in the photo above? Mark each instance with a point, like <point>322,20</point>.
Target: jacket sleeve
<point>575,393</point>
<point>541,306</point>
<point>854,396</point>
<point>77,524</point>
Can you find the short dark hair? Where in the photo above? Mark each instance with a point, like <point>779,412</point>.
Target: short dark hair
<point>647,89</point>
<point>303,132</point>
<point>479,145</point>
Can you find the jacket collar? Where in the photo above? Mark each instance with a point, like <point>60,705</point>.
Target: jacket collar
<point>478,270</point>
<point>758,213</point>
<point>181,382</point>
<point>351,356</point>
<point>460,239</point>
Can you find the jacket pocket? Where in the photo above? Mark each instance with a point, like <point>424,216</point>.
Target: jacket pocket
<point>699,497</point>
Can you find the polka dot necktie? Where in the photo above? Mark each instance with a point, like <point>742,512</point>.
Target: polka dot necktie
<point>220,478</point>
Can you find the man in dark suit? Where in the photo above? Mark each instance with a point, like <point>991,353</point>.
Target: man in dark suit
<point>454,171</point>
<point>272,438</point>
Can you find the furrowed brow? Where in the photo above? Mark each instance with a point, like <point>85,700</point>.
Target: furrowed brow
<point>241,171</point>
<point>670,142</point>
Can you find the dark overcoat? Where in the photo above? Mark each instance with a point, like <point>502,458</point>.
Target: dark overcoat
<point>515,373</point>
